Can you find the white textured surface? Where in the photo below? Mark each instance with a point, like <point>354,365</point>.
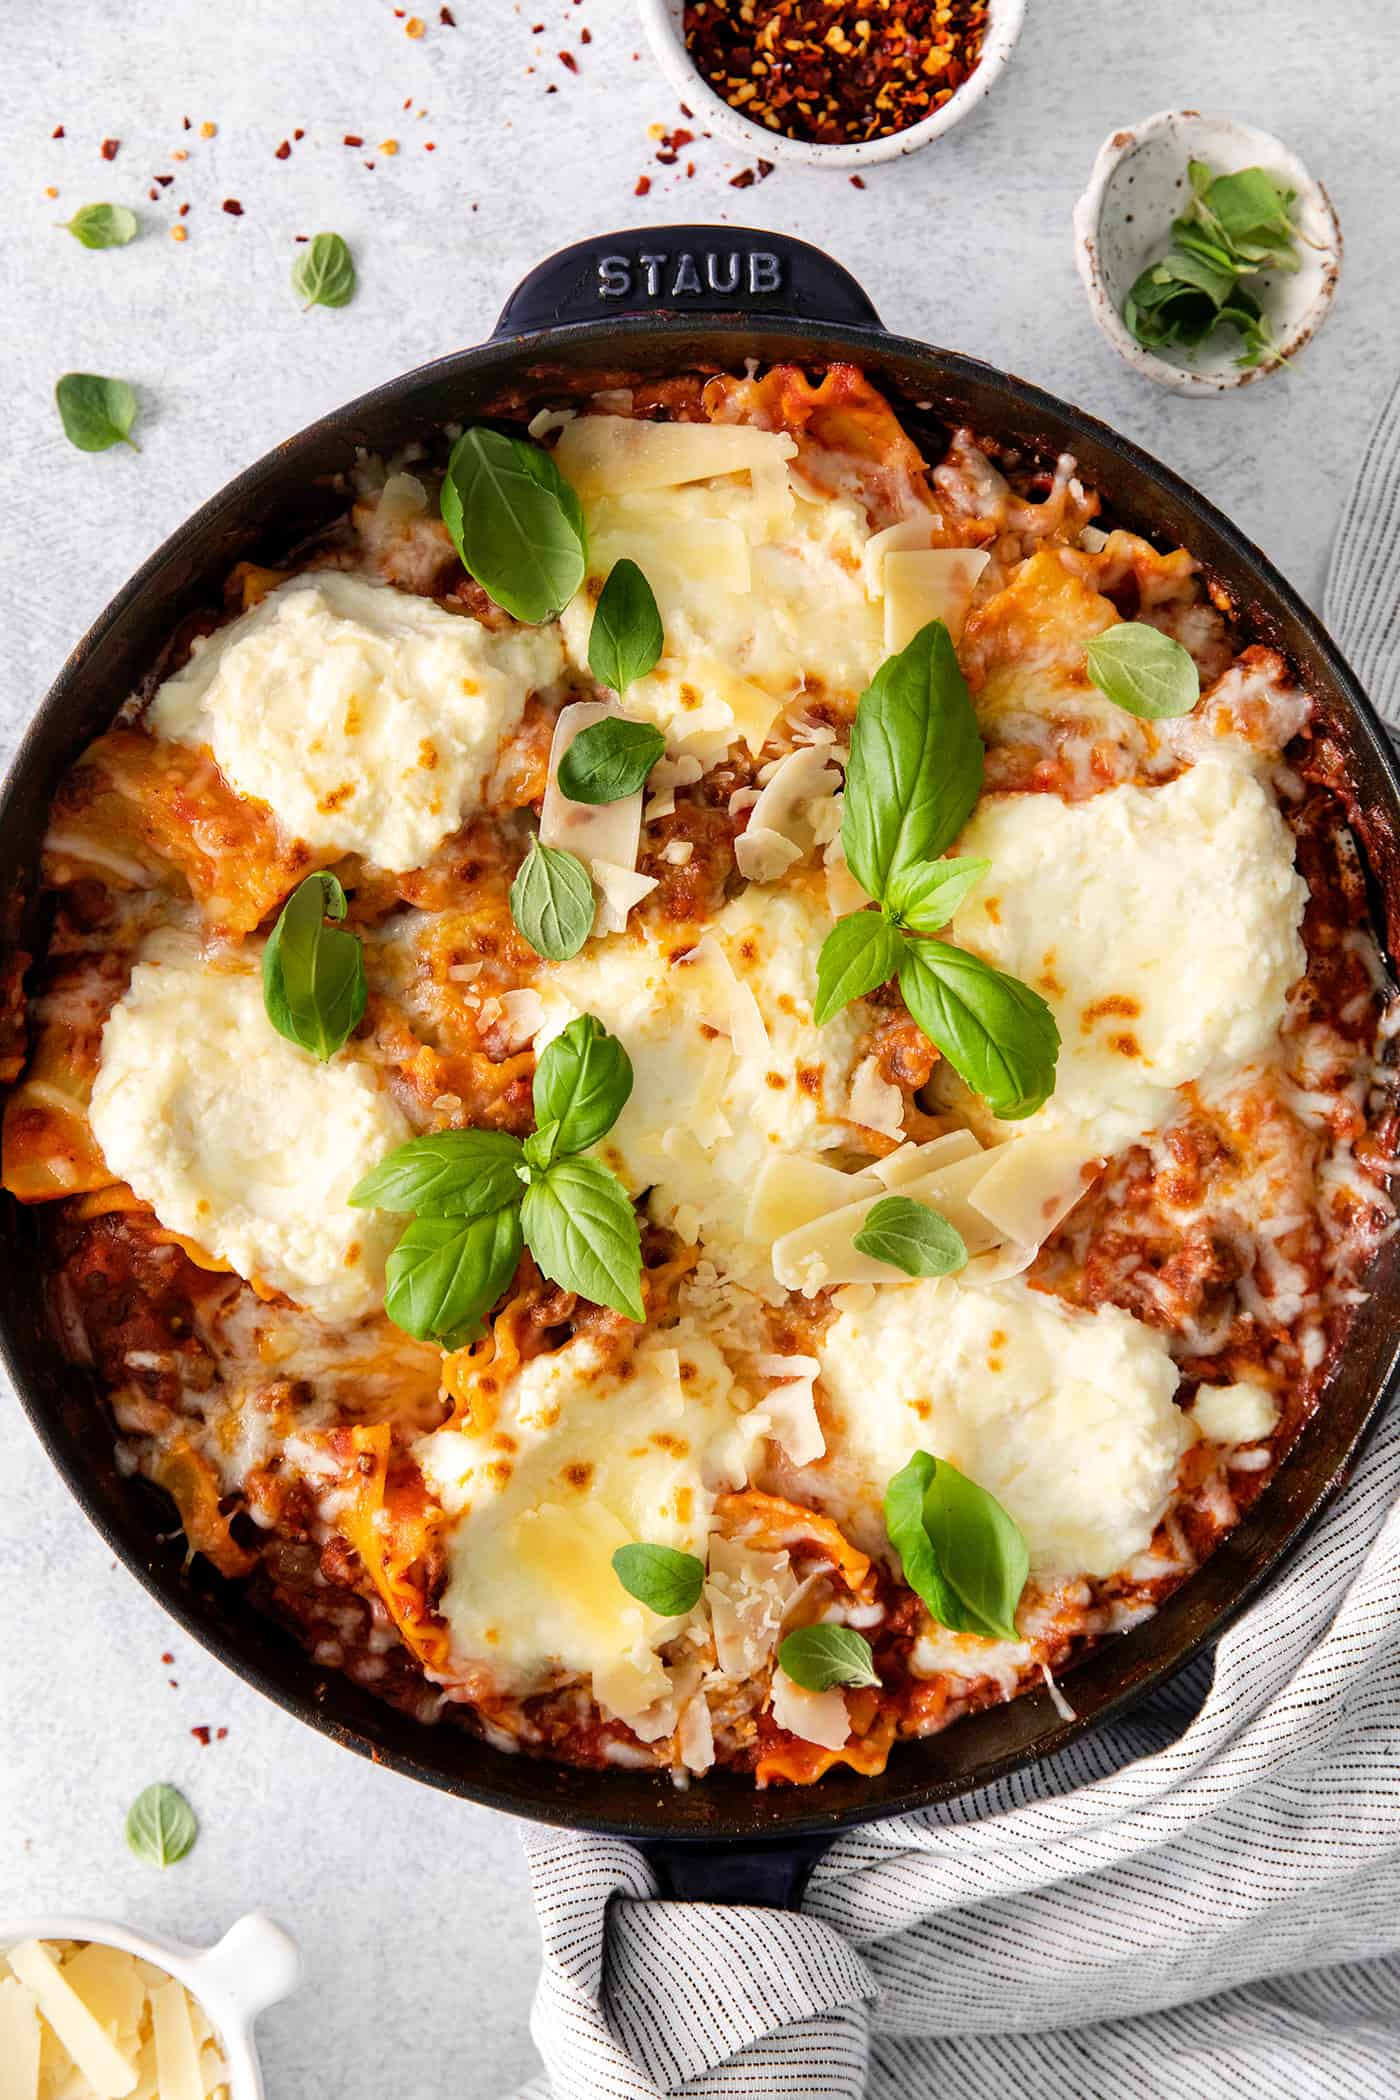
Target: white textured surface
<point>413,1908</point>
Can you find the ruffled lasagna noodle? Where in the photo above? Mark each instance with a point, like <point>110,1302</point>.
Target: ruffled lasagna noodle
<point>1164,1257</point>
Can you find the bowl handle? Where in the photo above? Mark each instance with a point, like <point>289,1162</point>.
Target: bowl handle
<point>253,1965</point>
<point>772,1873</point>
<point>676,271</point>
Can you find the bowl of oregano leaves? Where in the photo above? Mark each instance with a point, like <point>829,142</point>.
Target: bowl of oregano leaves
<point>1209,253</point>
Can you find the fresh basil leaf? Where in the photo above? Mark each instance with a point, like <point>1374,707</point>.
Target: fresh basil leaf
<point>609,760</point>
<point>821,1657</point>
<point>925,897</point>
<point>1201,176</point>
<point>912,1237</point>
<point>1249,205</point>
<point>666,1581</point>
<point>551,901</point>
<point>445,1274</point>
<point>160,1825</point>
<point>324,273</point>
<point>96,413</point>
<point>916,762</point>
<point>626,638</point>
<point>859,953</point>
<point>102,225</point>
<point>515,522</point>
<point>452,1174</point>
<point>541,1147</point>
<point>960,1551</point>
<point>1143,671</point>
<point>995,1031</point>
<point>583,1081</point>
<point>582,1230</point>
<point>314,989</point>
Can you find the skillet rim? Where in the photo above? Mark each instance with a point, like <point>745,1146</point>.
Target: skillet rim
<point>618,1802</point>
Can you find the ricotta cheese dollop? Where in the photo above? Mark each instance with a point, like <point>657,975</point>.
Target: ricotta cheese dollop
<point>1160,923</point>
<point>1066,1417</point>
<point>239,1140</point>
<point>367,719</point>
<point>585,1455</point>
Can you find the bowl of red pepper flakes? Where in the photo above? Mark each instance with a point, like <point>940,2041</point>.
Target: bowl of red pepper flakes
<point>834,83</point>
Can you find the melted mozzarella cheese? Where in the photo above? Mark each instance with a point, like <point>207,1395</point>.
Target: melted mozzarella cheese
<point>710,1108</point>
<point>365,718</point>
<point>583,1458</point>
<point>1066,1417</point>
<point>1160,923</point>
<point>239,1140</point>
<point>762,593</point>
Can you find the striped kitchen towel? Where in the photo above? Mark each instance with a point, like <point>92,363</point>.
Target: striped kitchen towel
<point>1199,1902</point>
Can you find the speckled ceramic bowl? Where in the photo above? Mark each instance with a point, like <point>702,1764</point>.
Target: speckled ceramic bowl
<point>664,21</point>
<point>1123,222</point>
<point>252,1966</point>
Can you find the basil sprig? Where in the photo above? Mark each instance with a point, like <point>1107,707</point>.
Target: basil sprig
<point>324,273</point>
<point>1143,671</point>
<point>314,989</point>
<point>1234,226</point>
<point>160,1825</point>
<point>626,638</point>
<point>96,413</point>
<point>102,225</point>
<point>609,759</point>
<point>911,1236</point>
<point>668,1582</point>
<point>913,781</point>
<point>515,522</point>
<point>479,1196</point>
<point>551,901</point>
<point>960,1551</point>
<point>821,1657</point>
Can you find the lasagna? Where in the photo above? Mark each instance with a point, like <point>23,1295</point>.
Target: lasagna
<point>1158,1251</point>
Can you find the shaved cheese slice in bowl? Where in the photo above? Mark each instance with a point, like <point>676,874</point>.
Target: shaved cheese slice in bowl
<point>93,2011</point>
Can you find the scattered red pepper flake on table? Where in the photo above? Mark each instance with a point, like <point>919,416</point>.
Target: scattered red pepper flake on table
<point>643,185</point>
<point>857,182</point>
<point>207,130</point>
<point>179,233</point>
<point>447,18</point>
<point>165,181</point>
<point>284,151</point>
<point>50,191</point>
<point>233,207</point>
<point>352,138</point>
<point>828,70</point>
<point>58,132</point>
<point>298,133</point>
<point>747,177</point>
<point>111,148</point>
<point>585,35</point>
<point>201,1735</point>
<point>220,1734</point>
<point>414,27</point>
<point>566,58</point>
<point>167,1659</point>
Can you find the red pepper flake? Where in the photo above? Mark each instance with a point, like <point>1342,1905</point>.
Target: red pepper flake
<point>744,180</point>
<point>370,165</point>
<point>537,29</point>
<point>414,27</point>
<point>681,138</point>
<point>174,1683</point>
<point>183,209</point>
<point>352,138</point>
<point>857,182</point>
<point>201,1735</point>
<point>186,122</point>
<point>58,132</point>
<point>566,58</point>
<point>447,18</point>
<point>165,181</point>
<point>828,70</point>
<point>298,134</point>
<point>284,151</point>
<point>428,146</point>
<point>301,239</point>
<point>690,167</point>
<point>667,160</point>
<point>763,169</point>
<point>111,148</point>
<point>585,35</point>
<point>233,207</point>
<point>220,1735</point>
<point>688,114</point>
<point>643,186</point>
<point>551,89</point>
<point>167,1660</point>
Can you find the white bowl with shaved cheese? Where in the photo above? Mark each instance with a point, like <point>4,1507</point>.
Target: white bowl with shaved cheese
<point>94,2011</point>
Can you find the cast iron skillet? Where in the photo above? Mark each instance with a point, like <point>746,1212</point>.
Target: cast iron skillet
<point>658,302</point>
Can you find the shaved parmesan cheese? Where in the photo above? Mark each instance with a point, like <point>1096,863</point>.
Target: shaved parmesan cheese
<point>932,583</point>
<point>823,1253</point>
<point>695,1736</point>
<point>780,829</point>
<point>791,1412</point>
<point>817,1717</point>
<point>843,893</point>
<point>664,778</point>
<point>912,1162</point>
<point>110,1985</point>
<point>612,455</point>
<point>521,1014</point>
<point>19,2039</point>
<point>604,831</point>
<point>619,889</point>
<point>177,2052</point>
<point>792,1190</point>
<point>1033,1182</point>
<point>875,1103</point>
<point>727,1002</point>
<point>110,2074</point>
<point>749,1594</point>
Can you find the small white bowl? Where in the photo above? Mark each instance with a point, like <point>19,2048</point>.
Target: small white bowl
<point>665,27</point>
<point>254,1965</point>
<point>1123,222</point>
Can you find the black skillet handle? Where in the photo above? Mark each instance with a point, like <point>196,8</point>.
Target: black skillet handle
<point>772,1875</point>
<point>680,270</point>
